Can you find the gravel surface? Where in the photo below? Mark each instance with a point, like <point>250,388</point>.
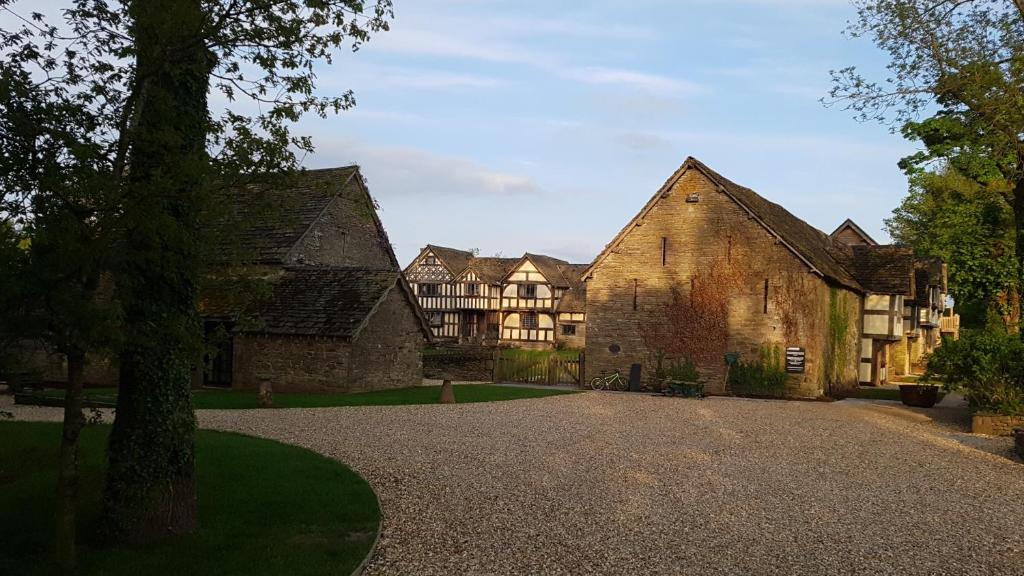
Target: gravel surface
<point>621,483</point>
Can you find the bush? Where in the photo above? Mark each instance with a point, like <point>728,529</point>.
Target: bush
<point>683,371</point>
<point>764,377</point>
<point>987,366</point>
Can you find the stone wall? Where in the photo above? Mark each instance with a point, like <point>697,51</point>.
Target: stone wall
<point>995,424</point>
<point>388,353</point>
<point>345,235</point>
<point>39,361</point>
<point>714,238</point>
<point>291,363</point>
<point>578,341</point>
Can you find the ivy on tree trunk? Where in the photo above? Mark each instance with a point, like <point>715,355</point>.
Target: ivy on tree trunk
<point>150,489</point>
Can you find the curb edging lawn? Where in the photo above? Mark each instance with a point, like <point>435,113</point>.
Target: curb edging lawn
<point>380,528</point>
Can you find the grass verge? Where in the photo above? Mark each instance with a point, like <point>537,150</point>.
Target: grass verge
<point>264,507</point>
<point>235,400</point>
<point>869,393</point>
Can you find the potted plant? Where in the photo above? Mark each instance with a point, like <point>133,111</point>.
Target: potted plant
<point>919,395</point>
<point>683,379</point>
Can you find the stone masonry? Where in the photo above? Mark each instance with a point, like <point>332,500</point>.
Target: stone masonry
<point>702,228</point>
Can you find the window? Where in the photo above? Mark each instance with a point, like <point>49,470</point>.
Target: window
<point>568,329</point>
<point>472,289</point>
<point>430,260</point>
<point>430,289</point>
<point>528,321</point>
<point>436,319</point>
<point>527,290</point>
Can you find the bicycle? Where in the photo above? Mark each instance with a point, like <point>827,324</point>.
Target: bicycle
<point>613,381</point>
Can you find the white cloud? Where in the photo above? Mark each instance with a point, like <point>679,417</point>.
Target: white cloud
<point>434,79</point>
<point>395,171</point>
<point>653,83</point>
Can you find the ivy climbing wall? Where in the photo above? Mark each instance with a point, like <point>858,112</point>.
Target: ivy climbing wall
<point>699,277</point>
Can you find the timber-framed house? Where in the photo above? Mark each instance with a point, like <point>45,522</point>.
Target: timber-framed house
<point>531,301</point>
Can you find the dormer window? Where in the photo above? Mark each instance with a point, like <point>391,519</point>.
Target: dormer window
<point>527,290</point>
<point>430,260</point>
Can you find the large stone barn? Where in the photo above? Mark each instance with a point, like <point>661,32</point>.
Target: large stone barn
<point>331,312</point>
<point>709,267</point>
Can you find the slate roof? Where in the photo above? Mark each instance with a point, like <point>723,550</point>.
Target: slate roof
<point>272,221</point>
<point>323,301</point>
<point>885,269</point>
<point>492,269</point>
<point>813,245</point>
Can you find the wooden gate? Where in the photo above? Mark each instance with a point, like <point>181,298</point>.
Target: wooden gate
<point>534,370</point>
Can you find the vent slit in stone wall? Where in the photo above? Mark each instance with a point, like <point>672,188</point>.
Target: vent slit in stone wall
<point>765,295</point>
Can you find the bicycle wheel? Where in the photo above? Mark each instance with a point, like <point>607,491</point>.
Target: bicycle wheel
<point>598,383</point>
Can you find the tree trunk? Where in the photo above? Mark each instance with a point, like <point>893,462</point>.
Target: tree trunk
<point>150,490</point>
<point>1018,231</point>
<point>67,475</point>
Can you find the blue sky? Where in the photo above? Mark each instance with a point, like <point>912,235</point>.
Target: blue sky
<point>544,126</point>
<point>514,126</point>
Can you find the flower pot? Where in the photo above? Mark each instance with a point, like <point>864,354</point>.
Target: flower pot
<point>920,395</point>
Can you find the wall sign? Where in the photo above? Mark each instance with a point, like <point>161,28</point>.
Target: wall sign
<point>795,358</point>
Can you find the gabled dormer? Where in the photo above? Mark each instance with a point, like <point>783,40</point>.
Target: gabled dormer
<point>525,286</point>
<point>850,234</point>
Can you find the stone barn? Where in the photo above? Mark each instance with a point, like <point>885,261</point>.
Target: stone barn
<point>332,311</point>
<point>709,267</point>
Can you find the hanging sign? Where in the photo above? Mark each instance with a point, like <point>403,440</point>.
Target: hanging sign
<point>795,360</point>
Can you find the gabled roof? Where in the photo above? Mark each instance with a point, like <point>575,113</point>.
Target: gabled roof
<point>807,243</point>
<point>453,259</point>
<point>883,269</point>
<point>270,221</point>
<point>851,225</point>
<point>328,301</point>
<point>491,270</point>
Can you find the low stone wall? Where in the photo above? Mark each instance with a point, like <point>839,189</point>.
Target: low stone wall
<point>461,364</point>
<point>995,424</point>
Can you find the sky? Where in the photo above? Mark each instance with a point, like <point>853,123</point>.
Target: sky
<point>510,126</point>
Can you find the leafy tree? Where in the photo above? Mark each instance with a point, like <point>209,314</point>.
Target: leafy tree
<point>970,226</point>
<point>54,245</point>
<point>141,73</point>
<point>962,61</point>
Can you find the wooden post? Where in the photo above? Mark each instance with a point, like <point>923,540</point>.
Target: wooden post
<point>447,392</point>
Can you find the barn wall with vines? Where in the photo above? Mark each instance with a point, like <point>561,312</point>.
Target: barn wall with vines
<point>698,277</point>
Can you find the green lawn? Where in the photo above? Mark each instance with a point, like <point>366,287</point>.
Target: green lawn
<point>464,393</point>
<point>264,507</point>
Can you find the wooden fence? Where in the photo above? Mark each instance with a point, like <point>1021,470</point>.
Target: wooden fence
<point>544,370</point>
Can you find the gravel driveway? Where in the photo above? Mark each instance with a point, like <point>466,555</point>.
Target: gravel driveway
<point>616,483</point>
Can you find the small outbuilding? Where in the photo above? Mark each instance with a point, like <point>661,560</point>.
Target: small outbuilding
<point>326,308</point>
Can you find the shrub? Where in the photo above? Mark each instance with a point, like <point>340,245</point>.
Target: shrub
<point>683,371</point>
<point>764,377</point>
<point>987,366</point>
